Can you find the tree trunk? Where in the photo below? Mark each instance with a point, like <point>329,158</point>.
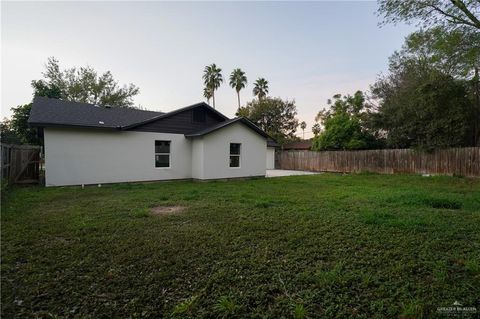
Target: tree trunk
<point>238,97</point>
<point>213,98</point>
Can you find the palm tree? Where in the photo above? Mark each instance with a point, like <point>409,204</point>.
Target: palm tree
<point>261,88</point>
<point>207,93</point>
<point>238,81</point>
<point>303,126</point>
<point>212,77</point>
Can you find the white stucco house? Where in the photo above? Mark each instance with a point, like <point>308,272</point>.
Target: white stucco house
<point>89,144</point>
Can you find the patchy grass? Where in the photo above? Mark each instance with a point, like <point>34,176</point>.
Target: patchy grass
<point>330,246</point>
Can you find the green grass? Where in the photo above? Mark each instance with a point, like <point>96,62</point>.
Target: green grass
<point>330,246</point>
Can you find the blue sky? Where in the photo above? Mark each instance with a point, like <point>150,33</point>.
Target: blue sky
<point>308,51</point>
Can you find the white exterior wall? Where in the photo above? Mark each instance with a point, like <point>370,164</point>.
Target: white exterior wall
<point>216,153</point>
<point>197,158</point>
<point>75,156</point>
<point>90,156</point>
<point>270,157</point>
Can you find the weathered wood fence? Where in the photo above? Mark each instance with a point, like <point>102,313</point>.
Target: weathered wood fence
<point>452,161</point>
<point>20,163</point>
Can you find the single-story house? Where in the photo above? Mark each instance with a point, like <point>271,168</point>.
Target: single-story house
<point>303,145</point>
<point>89,144</point>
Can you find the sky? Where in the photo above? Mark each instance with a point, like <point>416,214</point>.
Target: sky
<point>308,51</point>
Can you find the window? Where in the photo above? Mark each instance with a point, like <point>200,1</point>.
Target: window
<point>235,154</point>
<point>162,153</point>
<point>199,115</point>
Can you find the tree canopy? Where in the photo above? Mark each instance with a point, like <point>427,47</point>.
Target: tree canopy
<point>275,116</point>
<point>212,78</point>
<point>423,108</point>
<point>343,125</point>
<point>260,88</point>
<point>238,81</point>
<point>83,84</point>
<point>73,84</point>
<point>451,14</point>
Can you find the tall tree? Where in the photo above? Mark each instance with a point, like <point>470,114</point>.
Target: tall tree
<point>303,126</point>
<point>316,129</point>
<point>77,85</point>
<point>207,93</point>
<point>423,108</point>
<point>452,14</point>
<point>83,84</point>
<point>238,81</point>
<point>19,124</point>
<point>260,88</point>
<point>212,78</point>
<point>344,125</point>
<point>452,52</point>
<point>275,116</point>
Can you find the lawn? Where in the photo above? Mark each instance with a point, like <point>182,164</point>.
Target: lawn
<point>331,246</point>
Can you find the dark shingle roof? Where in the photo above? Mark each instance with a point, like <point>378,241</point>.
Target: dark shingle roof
<point>54,112</point>
<point>227,123</point>
<point>48,112</point>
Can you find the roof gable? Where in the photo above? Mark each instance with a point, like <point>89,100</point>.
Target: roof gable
<point>181,121</point>
<point>221,125</point>
<point>178,111</point>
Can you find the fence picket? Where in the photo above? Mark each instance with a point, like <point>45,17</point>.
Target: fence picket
<point>453,161</point>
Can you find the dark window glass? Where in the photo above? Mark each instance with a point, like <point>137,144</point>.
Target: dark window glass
<point>162,146</point>
<point>162,153</point>
<point>199,115</point>
<point>235,154</point>
<point>162,160</point>
<point>234,161</point>
<point>234,148</point>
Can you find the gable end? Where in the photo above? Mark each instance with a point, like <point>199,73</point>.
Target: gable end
<point>184,121</point>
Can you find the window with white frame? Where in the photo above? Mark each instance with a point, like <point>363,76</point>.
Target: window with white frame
<point>235,154</point>
<point>162,153</point>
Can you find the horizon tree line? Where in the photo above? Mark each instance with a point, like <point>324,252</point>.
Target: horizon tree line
<point>213,78</point>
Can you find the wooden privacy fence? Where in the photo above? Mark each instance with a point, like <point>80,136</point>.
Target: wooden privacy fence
<point>20,163</point>
<point>452,161</point>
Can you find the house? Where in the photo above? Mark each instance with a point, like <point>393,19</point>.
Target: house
<point>89,144</point>
<point>303,145</point>
<point>272,146</point>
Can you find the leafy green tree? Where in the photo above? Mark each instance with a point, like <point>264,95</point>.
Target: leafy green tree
<point>7,134</point>
<point>451,14</point>
<point>260,88</point>
<point>212,78</point>
<point>77,85</point>
<point>275,116</point>
<point>19,124</point>
<point>83,85</point>
<point>316,129</point>
<point>238,81</point>
<point>455,53</point>
<point>423,108</point>
<point>344,125</point>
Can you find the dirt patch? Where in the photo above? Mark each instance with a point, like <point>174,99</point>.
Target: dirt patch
<point>167,210</point>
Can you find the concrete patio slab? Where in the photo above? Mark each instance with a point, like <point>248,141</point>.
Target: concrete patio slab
<point>284,172</point>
